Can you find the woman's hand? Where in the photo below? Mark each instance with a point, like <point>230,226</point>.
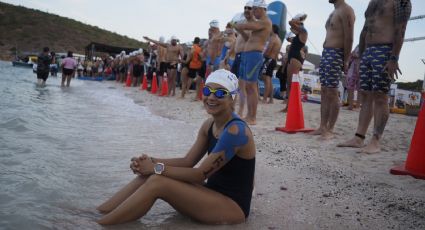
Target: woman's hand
<point>135,163</point>
<point>144,165</point>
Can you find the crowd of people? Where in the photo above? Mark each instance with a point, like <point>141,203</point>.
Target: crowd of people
<point>230,63</point>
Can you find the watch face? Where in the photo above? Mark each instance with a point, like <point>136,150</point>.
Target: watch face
<point>159,168</point>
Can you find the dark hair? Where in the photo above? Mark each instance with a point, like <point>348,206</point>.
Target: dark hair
<point>196,40</point>
<point>275,29</point>
<point>69,54</point>
<point>46,49</point>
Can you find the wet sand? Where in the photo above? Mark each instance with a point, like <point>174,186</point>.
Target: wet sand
<point>304,183</point>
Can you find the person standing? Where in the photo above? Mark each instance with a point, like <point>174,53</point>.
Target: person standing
<point>252,56</point>
<point>352,80</point>
<point>173,56</point>
<point>380,44</point>
<point>296,56</point>
<point>68,66</point>
<point>44,60</point>
<point>270,61</point>
<point>336,51</point>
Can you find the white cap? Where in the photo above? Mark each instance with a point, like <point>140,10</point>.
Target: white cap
<point>140,50</point>
<point>214,23</point>
<point>162,39</point>
<point>260,3</point>
<point>226,79</point>
<point>249,3</point>
<point>300,16</point>
<point>173,37</point>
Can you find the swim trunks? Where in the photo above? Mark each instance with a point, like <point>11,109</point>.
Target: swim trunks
<point>236,65</point>
<point>251,63</point>
<point>331,67</point>
<point>372,75</point>
<point>171,66</point>
<point>162,68</point>
<point>268,67</point>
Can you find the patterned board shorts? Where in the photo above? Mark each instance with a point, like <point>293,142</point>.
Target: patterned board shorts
<point>331,67</point>
<point>372,75</point>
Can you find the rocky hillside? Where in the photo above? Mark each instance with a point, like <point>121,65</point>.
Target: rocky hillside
<point>28,30</point>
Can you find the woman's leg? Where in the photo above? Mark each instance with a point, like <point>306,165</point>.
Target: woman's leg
<point>195,201</point>
<point>121,195</point>
<point>294,67</point>
<point>68,80</point>
<point>63,79</point>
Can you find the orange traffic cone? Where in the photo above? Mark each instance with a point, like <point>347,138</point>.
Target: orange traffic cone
<point>144,83</point>
<point>201,87</point>
<point>164,90</point>
<point>128,81</point>
<point>295,115</point>
<point>415,163</point>
<point>154,84</point>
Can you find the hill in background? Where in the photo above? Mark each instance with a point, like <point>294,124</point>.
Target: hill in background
<point>28,30</point>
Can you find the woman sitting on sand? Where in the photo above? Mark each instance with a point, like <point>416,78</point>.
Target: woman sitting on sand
<point>229,168</point>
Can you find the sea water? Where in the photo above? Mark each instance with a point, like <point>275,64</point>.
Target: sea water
<point>63,151</point>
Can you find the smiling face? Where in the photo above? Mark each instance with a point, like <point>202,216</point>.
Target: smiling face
<point>214,105</point>
<point>247,12</point>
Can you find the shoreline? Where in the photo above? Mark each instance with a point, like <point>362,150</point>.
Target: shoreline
<point>303,183</point>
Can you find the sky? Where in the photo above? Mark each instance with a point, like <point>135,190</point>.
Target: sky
<point>187,19</point>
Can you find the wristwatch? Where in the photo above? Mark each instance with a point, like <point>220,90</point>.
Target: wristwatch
<point>393,58</point>
<point>158,168</point>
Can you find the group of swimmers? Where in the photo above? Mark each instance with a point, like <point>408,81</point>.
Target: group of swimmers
<point>218,190</point>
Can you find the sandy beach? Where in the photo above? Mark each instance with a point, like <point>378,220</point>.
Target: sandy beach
<point>304,183</point>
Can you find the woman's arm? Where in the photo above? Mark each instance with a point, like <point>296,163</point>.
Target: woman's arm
<point>231,140</point>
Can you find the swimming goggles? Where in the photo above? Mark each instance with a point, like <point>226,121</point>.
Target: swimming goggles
<point>218,93</point>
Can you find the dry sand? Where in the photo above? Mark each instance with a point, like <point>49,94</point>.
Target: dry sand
<point>303,183</point>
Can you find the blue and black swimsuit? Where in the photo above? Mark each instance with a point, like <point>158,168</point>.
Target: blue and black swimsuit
<point>236,178</point>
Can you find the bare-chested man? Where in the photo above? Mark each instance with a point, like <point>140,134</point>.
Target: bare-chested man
<point>336,51</point>
<point>215,45</point>
<point>173,57</point>
<point>270,60</point>
<point>252,57</point>
<point>162,62</point>
<point>380,44</point>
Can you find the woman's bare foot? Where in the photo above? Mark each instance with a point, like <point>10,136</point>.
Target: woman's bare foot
<point>355,142</point>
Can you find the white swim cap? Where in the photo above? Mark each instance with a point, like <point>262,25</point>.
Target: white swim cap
<point>140,50</point>
<point>226,79</point>
<point>173,37</point>
<point>162,39</point>
<point>260,3</point>
<point>214,23</point>
<point>300,16</point>
<point>249,3</point>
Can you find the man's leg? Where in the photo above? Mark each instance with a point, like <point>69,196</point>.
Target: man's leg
<point>323,111</point>
<point>252,102</point>
<point>266,88</point>
<point>331,115</point>
<point>242,97</point>
<point>365,116</point>
<point>380,117</point>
